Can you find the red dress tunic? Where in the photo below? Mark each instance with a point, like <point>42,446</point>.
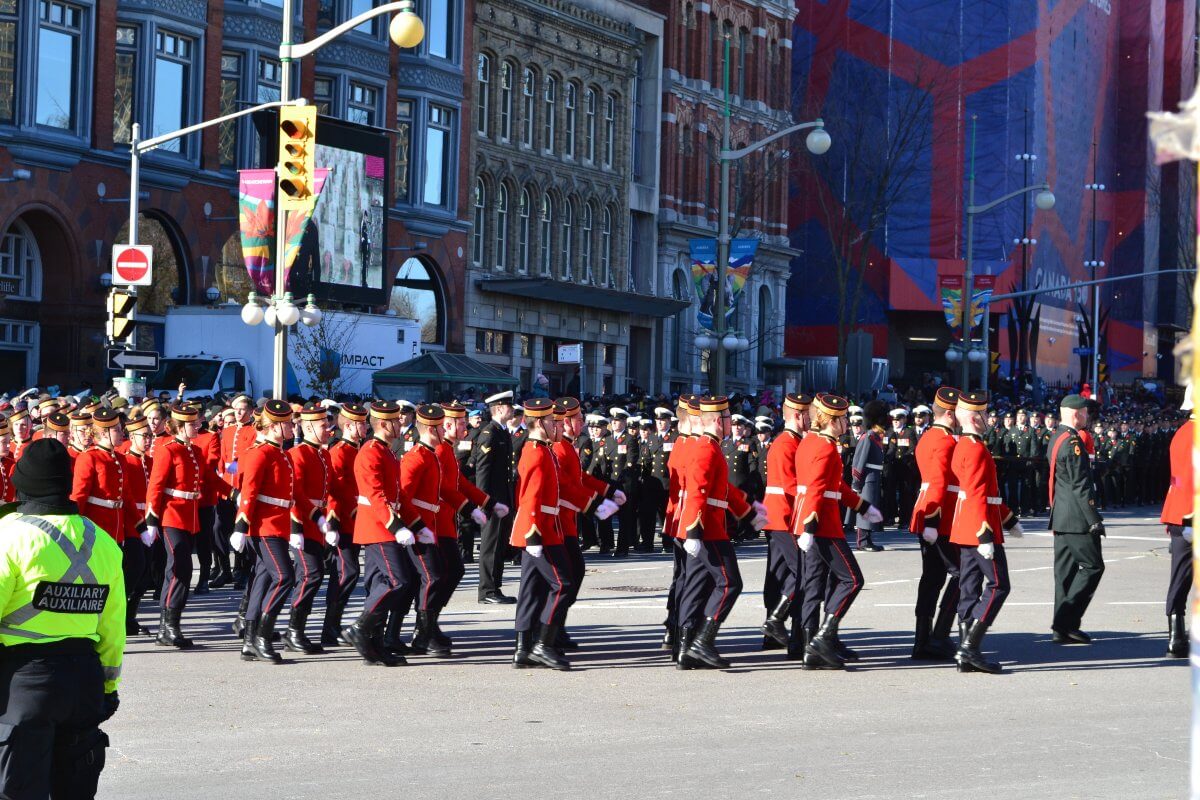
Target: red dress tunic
<point>173,491</point>
<point>939,492</point>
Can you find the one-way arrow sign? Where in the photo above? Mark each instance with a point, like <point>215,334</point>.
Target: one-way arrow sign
<point>139,360</point>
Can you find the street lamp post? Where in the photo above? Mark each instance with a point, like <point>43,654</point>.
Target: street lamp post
<point>818,143</point>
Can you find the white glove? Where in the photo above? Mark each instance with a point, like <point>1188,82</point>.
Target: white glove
<point>606,509</point>
<point>323,524</point>
<point>426,536</point>
<point>534,550</point>
<point>759,508</point>
<point>930,535</point>
<point>987,550</point>
<point>237,541</point>
<point>760,520</point>
<point>1016,531</point>
<point>693,547</point>
<point>478,515</point>
<point>151,533</point>
<point>873,515</point>
<point>1187,535</point>
<point>805,541</point>
<point>331,537</point>
<point>296,541</point>
<point>619,497</point>
<point>405,537</point>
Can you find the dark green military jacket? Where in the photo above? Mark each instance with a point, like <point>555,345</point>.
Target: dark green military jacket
<point>1073,493</point>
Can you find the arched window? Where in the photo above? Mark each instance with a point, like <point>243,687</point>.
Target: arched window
<point>479,235</point>
<point>679,290</point>
<point>764,327</point>
<point>545,221</point>
<point>21,263</point>
<point>586,243</point>
<point>549,113</point>
<point>606,249</point>
<point>589,131</point>
<point>417,294</point>
<point>570,97</point>
<point>523,211</point>
<point>566,243</point>
<point>483,103</point>
<point>528,88</point>
<point>610,129</point>
<point>501,227</point>
<point>506,85</point>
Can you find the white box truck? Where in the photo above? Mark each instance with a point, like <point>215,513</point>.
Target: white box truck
<point>213,352</point>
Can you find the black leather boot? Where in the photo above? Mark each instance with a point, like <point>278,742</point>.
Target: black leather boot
<point>1178,646</point>
<point>669,639</point>
<point>545,652</point>
<point>565,642</point>
<point>329,632</point>
<point>521,659</point>
<point>822,650</point>
<point>295,640</point>
<point>264,648</point>
<point>169,633</point>
<point>684,659</point>
<point>248,644</point>
<point>922,641</point>
<point>239,622</point>
<point>811,660</point>
<point>704,648</point>
<point>436,634</point>
<point>969,657</point>
<point>360,636</point>
<point>420,634</point>
<point>224,575</point>
<point>392,655</point>
<point>796,642</point>
<point>776,625</point>
<point>939,639</point>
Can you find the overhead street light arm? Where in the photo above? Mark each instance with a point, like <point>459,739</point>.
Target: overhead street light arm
<point>289,51</point>
<point>734,155</point>
<point>1041,187</point>
<point>144,145</point>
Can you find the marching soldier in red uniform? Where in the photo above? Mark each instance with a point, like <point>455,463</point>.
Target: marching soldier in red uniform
<point>545,573</point>
<point>173,510</point>
<point>8,492</point>
<point>340,517</point>
<point>58,426</point>
<point>712,581</point>
<point>135,561</point>
<point>783,556</point>
<point>100,486</point>
<point>236,439</point>
<point>22,431</point>
<point>310,524</point>
<point>387,524</point>
<point>81,435</point>
<point>211,489</point>
<point>933,514</point>
<point>1177,513</point>
<point>265,513</point>
<point>671,532</point>
<point>831,573</point>
<point>980,518</point>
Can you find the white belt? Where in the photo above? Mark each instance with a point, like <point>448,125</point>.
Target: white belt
<point>874,466</point>
<point>801,489</point>
<point>366,501</point>
<point>317,503</point>
<point>551,510</point>
<point>567,505</point>
<point>100,501</point>
<point>776,490</point>
<point>834,495</point>
<point>274,501</point>
<point>431,507</point>
<point>991,501</point>
<point>183,495</point>
<point>954,489</point>
<point>712,501</point>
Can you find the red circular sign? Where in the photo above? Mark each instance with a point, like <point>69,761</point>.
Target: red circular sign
<point>132,265</point>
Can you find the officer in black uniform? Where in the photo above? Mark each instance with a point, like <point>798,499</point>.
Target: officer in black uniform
<point>586,449</point>
<point>619,466</point>
<point>656,481</point>
<point>900,474</point>
<point>492,462</point>
<point>592,463</point>
<point>468,529</point>
<point>742,457</point>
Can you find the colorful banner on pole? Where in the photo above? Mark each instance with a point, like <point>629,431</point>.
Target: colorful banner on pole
<point>984,286</point>
<point>256,221</point>
<point>704,275</point>
<point>951,290</point>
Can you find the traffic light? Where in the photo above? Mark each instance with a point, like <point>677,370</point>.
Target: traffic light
<point>994,363</point>
<point>297,166</point>
<point>120,315</point>
<point>1102,372</point>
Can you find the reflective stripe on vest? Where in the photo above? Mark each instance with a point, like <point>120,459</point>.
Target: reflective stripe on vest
<point>79,568</point>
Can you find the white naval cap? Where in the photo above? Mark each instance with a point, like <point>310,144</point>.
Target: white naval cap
<point>499,398</point>
<point>922,409</point>
<point>897,413</point>
<point>616,412</point>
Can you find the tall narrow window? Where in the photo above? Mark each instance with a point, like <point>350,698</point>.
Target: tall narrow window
<point>323,94</point>
<point>565,242</point>
<point>438,25</point>
<point>570,97</point>
<point>479,232</point>
<point>610,130</point>
<point>606,249</point>
<point>501,226</point>
<point>589,133</point>
<point>483,89</point>
<point>269,74</point>
<point>60,28</point>
<point>358,7</point>
<point>528,83</point>
<point>689,14</point>
<point>764,328</point>
<point>506,79</point>
<point>586,243</point>
<point>125,84</point>
<point>8,60</point>
<point>401,174</point>
<point>545,221</point>
<point>715,55</point>
<point>523,211</point>
<point>437,156</point>
<point>227,139</point>
<point>726,44</point>
<point>363,107</point>
<point>549,113</point>
<point>743,53</point>
<point>635,128</point>
<point>172,86</point>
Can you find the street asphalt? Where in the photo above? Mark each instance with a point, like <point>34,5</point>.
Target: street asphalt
<point>1106,720</point>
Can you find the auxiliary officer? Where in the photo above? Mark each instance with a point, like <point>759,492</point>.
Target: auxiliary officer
<point>62,635</point>
<point>1177,514</point>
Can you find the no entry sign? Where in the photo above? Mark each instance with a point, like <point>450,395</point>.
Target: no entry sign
<point>132,264</point>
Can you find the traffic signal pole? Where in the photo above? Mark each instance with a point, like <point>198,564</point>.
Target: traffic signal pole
<point>279,361</point>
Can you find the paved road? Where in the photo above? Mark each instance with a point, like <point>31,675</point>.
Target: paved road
<point>1108,720</point>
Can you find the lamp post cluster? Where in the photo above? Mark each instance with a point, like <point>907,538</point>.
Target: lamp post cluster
<point>280,311</point>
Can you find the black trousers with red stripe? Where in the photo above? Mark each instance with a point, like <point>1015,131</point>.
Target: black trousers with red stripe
<point>1181,572</point>
<point>938,561</point>
<point>983,585</point>
<point>576,567</point>
<point>831,574</point>
<point>388,573</point>
<point>343,577</point>
<point>177,575</point>
<point>309,569</point>
<point>712,583</point>
<point>545,587</point>
<point>426,560</point>
<point>273,577</point>
<point>783,568</point>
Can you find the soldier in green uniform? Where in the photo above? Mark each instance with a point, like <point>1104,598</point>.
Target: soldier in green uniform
<point>1018,452</point>
<point>1043,428</point>
<point>1077,525</point>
